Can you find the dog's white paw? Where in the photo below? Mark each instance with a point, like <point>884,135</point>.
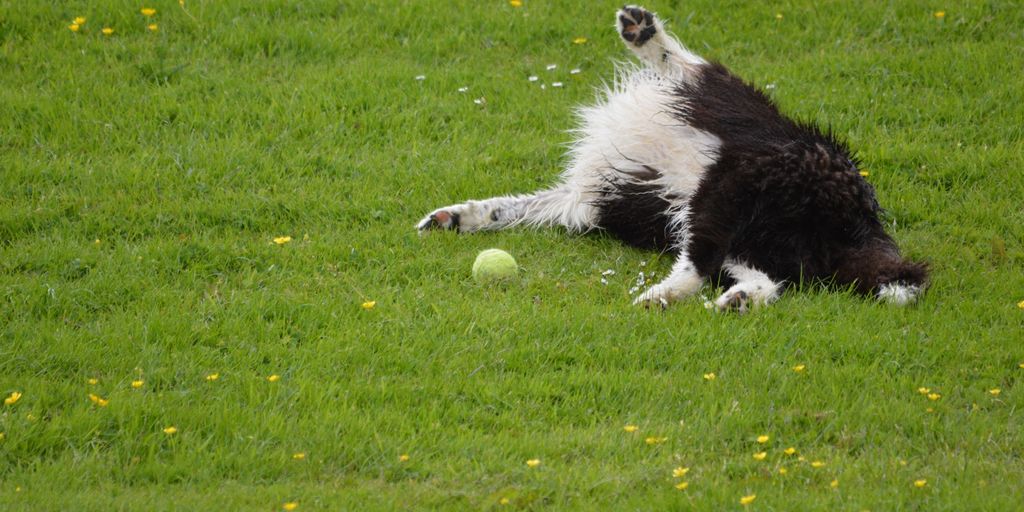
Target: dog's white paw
<point>743,297</point>
<point>657,296</point>
<point>442,218</point>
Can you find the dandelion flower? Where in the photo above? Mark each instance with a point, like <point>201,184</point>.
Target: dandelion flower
<point>281,240</point>
<point>171,430</point>
<point>763,439</point>
<point>515,3</point>
<point>403,457</point>
<point>682,485</point>
<point>778,15</point>
<point>940,14</point>
<point>106,31</point>
<point>680,472</point>
<point>789,451</point>
<point>834,483</point>
<point>148,11</point>
<point>152,27</point>
<point>504,501</point>
<point>709,376</point>
<point>783,471</point>
<point>369,304</point>
<point>799,368</point>
<point>995,391</point>
<point>533,463</point>
<point>291,505</point>
<point>212,377</point>
<point>579,40</point>
<point>747,500</point>
<point>934,396</point>
<point>631,428</point>
<point>274,378</point>
<point>73,27</point>
<point>79,20</point>
<point>924,391</point>
<point>655,440</point>
<point>1021,365</point>
<point>920,483</point>
<point>865,173</point>
<point>98,401</point>
<point>93,382</point>
<point>1021,306</point>
<point>138,383</point>
<point>299,455</point>
<point>817,464</point>
<point>760,455</point>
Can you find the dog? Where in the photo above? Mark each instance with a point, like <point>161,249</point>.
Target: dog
<point>681,155</point>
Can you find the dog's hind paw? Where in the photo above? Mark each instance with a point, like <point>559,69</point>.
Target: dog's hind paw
<point>439,219</point>
<point>636,25</point>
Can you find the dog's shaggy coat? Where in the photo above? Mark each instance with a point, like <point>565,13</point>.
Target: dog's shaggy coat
<point>682,155</point>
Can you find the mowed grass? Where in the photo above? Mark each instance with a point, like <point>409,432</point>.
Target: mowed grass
<point>144,176</point>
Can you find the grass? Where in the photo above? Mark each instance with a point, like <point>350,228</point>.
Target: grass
<point>145,174</point>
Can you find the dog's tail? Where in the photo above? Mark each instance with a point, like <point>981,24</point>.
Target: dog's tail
<point>879,270</point>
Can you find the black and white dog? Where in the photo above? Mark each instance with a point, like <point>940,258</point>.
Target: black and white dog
<point>682,155</point>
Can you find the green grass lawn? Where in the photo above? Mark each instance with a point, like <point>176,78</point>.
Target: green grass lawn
<point>145,174</point>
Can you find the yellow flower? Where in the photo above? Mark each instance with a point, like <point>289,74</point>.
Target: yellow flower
<point>817,464</point>
<point>763,439</point>
<point>73,27</point>
<point>631,428</point>
<point>98,401</point>
<point>515,3</point>
<point>940,14</point>
<point>291,505</point>
<point>2,436</point>
<point>902,462</point>
<point>274,378</point>
<point>799,368</point>
<point>709,376</point>
<point>369,304</point>
<point>79,20</point>
<point>106,31</point>
<point>929,410</point>
<point>281,240</point>
<point>148,11</point>
<point>655,440</point>
<point>995,391</point>
<point>12,398</point>
<point>579,40</point>
<point>212,377</point>
<point>778,15</point>
<point>747,500</point>
<point>783,471</point>
<point>533,463</point>
<point>934,396</point>
<point>924,391</point>
<point>920,483</point>
<point>789,451</point>
<point>1021,365</point>
<point>152,27</point>
<point>93,382</point>
<point>171,430</point>
<point>1021,305</point>
<point>299,455</point>
<point>865,173</point>
<point>403,457</point>
<point>760,455</point>
<point>504,501</point>
<point>137,383</point>
<point>680,472</point>
<point>834,483</point>
<point>682,485</point>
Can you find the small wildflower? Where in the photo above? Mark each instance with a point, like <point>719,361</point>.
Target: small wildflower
<point>93,382</point>
<point>680,472</point>
<point>579,40</point>
<point>556,84</point>
<point>902,462</point>
<point>369,304</point>
<point>920,483</point>
<point>574,71</point>
<point>79,20</point>
<point>940,14</point>
<point>789,451</point>
<point>480,101</point>
<point>747,500</point>
<point>299,455</point>
<point>655,440</point>
<point>682,485</point>
<point>709,376</point>
<point>403,457</point>
<point>934,396</point>
<point>148,11</point>
<point>533,463</point>
<point>106,31</point>
<point>138,383</point>
<point>799,368</point>
<point>995,391</point>
<point>504,501</point>
<point>834,483</point>
<point>631,428</point>
<point>778,15</point>
<point>533,78</point>
<point>12,398</point>
<point>924,391</point>
<point>463,89</point>
<point>421,77</point>
<point>281,240</point>
<point>929,410</point>
<point>291,505</point>
<point>783,471</point>
<point>515,3</point>
<point>864,174</point>
<point>152,27</point>
<point>171,430</point>
<point>763,439</point>
<point>73,27</point>
<point>817,464</point>
<point>212,377</point>
<point>98,401</point>
<point>1021,306</point>
<point>551,67</point>
<point>274,378</point>
<point>760,455</point>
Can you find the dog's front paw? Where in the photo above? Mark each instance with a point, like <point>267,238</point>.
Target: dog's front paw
<point>656,296</point>
<point>736,301</point>
<point>636,25</point>
<point>439,219</point>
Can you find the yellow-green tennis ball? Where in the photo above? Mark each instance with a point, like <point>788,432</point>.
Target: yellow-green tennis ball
<point>494,265</point>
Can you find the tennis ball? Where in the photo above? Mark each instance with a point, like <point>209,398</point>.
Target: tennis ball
<point>494,265</point>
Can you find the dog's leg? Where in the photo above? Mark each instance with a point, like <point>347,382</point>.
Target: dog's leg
<point>681,282</point>
<point>563,206</point>
<point>645,35</point>
<point>753,288</point>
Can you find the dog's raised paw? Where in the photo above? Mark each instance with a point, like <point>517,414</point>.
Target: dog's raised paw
<point>636,25</point>
<point>737,301</point>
